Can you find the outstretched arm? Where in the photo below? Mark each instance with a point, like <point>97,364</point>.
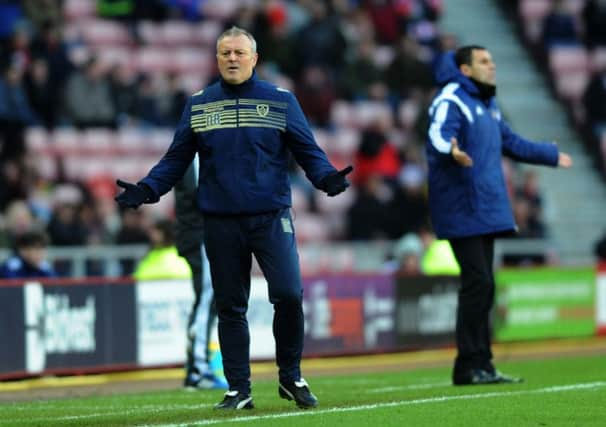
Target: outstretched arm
<point>523,150</point>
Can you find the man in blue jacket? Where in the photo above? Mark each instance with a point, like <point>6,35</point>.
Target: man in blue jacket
<point>244,130</point>
<point>468,198</point>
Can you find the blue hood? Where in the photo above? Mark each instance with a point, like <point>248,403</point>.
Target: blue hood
<point>445,71</point>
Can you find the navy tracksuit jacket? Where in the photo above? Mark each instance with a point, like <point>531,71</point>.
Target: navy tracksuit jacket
<point>243,135</point>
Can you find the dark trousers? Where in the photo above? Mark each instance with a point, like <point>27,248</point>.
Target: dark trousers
<point>476,296</point>
<point>230,243</point>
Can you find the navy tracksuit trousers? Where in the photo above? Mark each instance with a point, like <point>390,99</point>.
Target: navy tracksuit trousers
<point>230,243</point>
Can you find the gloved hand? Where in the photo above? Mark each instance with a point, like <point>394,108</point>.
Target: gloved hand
<point>133,195</point>
<point>335,182</point>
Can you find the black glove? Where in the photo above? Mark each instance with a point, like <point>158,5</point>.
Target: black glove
<point>133,195</point>
<point>335,182</point>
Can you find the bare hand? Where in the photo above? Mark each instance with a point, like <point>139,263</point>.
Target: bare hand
<point>460,156</point>
<point>564,160</point>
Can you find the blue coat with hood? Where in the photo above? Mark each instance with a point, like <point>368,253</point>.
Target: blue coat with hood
<point>471,201</point>
<point>243,135</point>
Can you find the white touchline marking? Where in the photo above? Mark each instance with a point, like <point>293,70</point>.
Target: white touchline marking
<point>553,389</point>
<point>156,409</point>
<point>409,387</point>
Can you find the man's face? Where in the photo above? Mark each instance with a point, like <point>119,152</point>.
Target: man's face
<point>236,59</point>
<point>482,67</point>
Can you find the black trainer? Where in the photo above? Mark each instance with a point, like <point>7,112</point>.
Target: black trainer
<point>480,376</point>
<point>299,392</point>
<point>235,400</point>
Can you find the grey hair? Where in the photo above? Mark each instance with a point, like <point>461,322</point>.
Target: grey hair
<point>235,32</point>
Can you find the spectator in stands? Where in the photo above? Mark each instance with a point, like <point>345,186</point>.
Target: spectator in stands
<point>40,93</point>
<point>14,182</point>
<point>316,93</point>
<point>29,258</point>
<point>594,19</point>
<point>468,198</point>
<point>376,155</point>
<point>321,42</point>
<point>559,26</point>
<point>50,46</point>
<point>600,248</point>
<point>368,216</point>
<point>162,261</point>
<point>11,13</point>
<point>133,231</point>
<point>66,227</point>
<point>124,89</point>
<point>594,100</point>
<point>18,218</point>
<point>407,254</point>
<point>15,113</point>
<point>408,210</point>
<point>43,12</point>
<point>408,72</point>
<point>359,73</point>
<point>88,97</point>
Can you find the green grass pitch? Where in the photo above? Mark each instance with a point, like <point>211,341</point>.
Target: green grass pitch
<point>567,391</point>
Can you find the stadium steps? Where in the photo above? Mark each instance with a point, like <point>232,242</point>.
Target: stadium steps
<point>574,200</point>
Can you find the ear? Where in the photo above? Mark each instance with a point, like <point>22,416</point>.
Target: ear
<point>465,69</point>
<point>255,59</point>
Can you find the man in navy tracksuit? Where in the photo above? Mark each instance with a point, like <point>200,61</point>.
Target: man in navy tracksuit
<point>468,198</point>
<point>243,129</point>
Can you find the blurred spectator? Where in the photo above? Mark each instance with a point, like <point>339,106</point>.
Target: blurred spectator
<point>600,248</point>
<point>162,261</point>
<point>408,72</point>
<point>124,91</point>
<point>360,73</point>
<point>88,97</point>
<point>316,93</point>
<point>408,210</point>
<point>18,219</point>
<point>277,50</point>
<point>384,17</point>
<point>594,100</point>
<point>40,93</point>
<point>375,155</point>
<point>407,254</point>
<point>50,46</point>
<point>43,12</point>
<point>66,227</point>
<point>529,191</point>
<point>29,258</point>
<point>559,26</point>
<point>132,231</point>
<point>17,50</point>
<point>14,182</point>
<point>594,19</point>
<point>367,216</point>
<point>10,14</point>
<point>15,113</point>
<point>321,42</point>
<point>170,100</point>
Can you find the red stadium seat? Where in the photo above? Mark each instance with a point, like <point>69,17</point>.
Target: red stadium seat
<point>207,32</point>
<point>102,32</point>
<point>77,9</point>
<point>571,86</point>
<point>565,59</point>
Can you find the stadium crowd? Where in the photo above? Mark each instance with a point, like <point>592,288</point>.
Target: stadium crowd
<point>72,69</point>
